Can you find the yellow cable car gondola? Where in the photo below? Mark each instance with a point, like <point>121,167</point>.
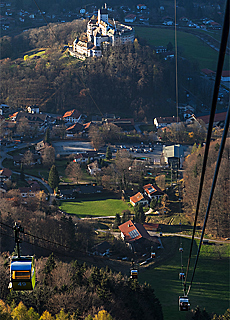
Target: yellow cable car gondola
<point>133,274</point>
<point>22,273</point>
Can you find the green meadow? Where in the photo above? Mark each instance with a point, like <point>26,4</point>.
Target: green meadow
<point>189,46</point>
<point>210,287</point>
<point>94,207</point>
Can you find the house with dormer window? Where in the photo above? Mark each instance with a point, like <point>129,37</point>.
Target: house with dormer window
<point>152,191</point>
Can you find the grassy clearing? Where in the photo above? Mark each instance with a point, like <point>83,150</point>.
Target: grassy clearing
<point>210,287</point>
<point>91,207</point>
<point>189,46</point>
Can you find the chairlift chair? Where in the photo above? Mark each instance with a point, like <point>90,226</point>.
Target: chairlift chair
<point>181,249</point>
<point>22,273</point>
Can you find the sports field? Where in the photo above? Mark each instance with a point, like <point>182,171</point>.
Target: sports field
<point>210,288</point>
<point>189,46</point>
<point>96,208</point>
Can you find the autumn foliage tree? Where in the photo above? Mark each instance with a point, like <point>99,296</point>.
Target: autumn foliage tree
<point>218,217</point>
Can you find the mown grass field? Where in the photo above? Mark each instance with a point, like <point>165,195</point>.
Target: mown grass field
<point>210,288</point>
<point>189,46</point>
<point>94,207</point>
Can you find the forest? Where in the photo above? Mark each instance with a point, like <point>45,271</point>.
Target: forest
<point>81,291</point>
<point>129,80</point>
<point>218,222</point>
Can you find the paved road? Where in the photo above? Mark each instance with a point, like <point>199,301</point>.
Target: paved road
<point>152,233</point>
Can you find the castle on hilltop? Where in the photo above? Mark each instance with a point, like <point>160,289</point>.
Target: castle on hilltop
<point>101,32</point>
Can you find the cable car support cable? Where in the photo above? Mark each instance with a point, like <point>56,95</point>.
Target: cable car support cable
<point>223,140</point>
<point>222,51</point>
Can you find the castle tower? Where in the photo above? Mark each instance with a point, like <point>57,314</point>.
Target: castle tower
<point>103,15</point>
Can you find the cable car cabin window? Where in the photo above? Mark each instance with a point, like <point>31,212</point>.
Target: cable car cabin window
<point>134,274</point>
<point>19,275</point>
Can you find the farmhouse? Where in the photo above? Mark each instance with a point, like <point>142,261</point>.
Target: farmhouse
<point>136,235</point>
<point>165,121</point>
<point>101,31</point>
<point>72,116</point>
<point>33,118</point>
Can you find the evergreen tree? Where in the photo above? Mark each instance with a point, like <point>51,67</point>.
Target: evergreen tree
<point>117,221</point>
<point>47,136</point>
<point>108,155</point>
<point>139,214</point>
<point>125,216</point>
<point>169,46</point>
<point>53,179</point>
<point>153,203</point>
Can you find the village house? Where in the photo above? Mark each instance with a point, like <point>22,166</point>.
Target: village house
<point>160,49</point>
<point>101,249</point>
<point>31,191</point>
<point>74,129</point>
<point>135,235</point>
<point>165,121</point>
<point>36,159</point>
<point>225,76</point>
<point>33,109</point>
<point>33,119</point>
<point>73,116</point>
<point>93,168</point>
<point>84,157</point>
<point>5,174</point>
<point>219,118</point>
<point>152,191</point>
<point>138,198</point>
<point>130,17</point>
<point>141,7</point>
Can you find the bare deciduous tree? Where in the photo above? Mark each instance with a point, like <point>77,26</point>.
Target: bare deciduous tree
<point>48,156</point>
<point>74,172</point>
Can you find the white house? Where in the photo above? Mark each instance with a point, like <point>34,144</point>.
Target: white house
<point>130,17</point>
<point>165,121</point>
<point>225,76</point>
<point>73,116</point>
<point>138,198</point>
<point>141,7</point>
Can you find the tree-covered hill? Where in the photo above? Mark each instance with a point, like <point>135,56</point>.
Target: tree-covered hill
<point>81,291</point>
<point>128,80</point>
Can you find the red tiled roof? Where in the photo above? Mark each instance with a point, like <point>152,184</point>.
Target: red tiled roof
<point>225,73</point>
<point>150,189</point>
<point>72,113</point>
<point>5,172</point>
<point>87,125</point>
<point>207,71</point>
<point>133,231</point>
<point>218,117</point>
<point>136,198</point>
